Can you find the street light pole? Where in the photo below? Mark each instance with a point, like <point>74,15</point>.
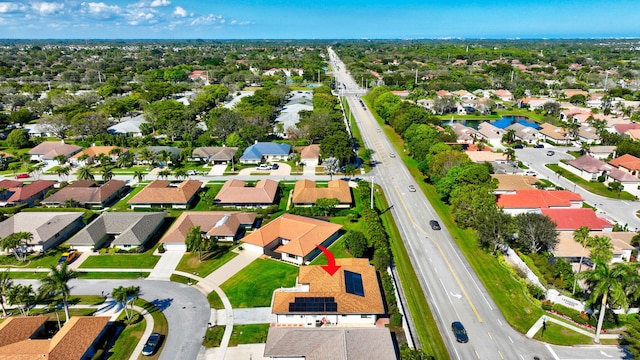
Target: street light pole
<point>372,185</point>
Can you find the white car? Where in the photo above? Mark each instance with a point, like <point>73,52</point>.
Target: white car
<point>192,172</point>
<point>263,167</point>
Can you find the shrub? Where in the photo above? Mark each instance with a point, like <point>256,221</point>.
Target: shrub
<point>161,249</point>
<point>536,291</point>
<point>546,305</point>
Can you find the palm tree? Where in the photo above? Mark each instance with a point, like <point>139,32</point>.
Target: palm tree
<point>163,158</point>
<point>107,173</point>
<point>195,240</point>
<point>164,173</point>
<point>510,154</point>
<point>125,160</point>
<point>509,136</point>
<point>15,242</point>
<point>57,282</point>
<point>83,158</point>
<point>6,283</point>
<point>103,159</point>
<point>126,296</point>
<point>607,283</point>
<point>581,236</point>
<point>84,173</point>
<point>145,155</point>
<point>23,296</point>
<point>180,173</point>
<point>63,171</point>
<point>139,175</point>
<point>601,249</point>
<point>116,151</point>
<point>61,158</point>
<point>14,167</point>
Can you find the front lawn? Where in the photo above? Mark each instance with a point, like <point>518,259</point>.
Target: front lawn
<point>253,286</point>
<point>559,335</point>
<point>593,187</point>
<point>122,205</point>
<point>249,334</point>
<point>46,260</point>
<point>120,261</point>
<point>116,275</point>
<point>191,263</point>
<point>213,337</point>
<point>337,249</point>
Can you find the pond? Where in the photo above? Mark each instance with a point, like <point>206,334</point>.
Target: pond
<point>500,123</point>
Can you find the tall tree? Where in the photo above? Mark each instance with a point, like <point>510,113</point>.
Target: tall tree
<point>195,240</point>
<point>601,249</point>
<point>84,173</point>
<point>15,242</point>
<point>138,175</point>
<point>331,166</point>
<point>536,232</point>
<point>607,284</point>
<point>23,296</point>
<point>126,296</point>
<point>494,228</point>
<point>107,173</point>
<point>58,282</point>
<point>581,236</point>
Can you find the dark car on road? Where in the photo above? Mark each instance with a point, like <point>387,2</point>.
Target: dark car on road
<point>151,345</point>
<point>434,225</point>
<point>539,146</point>
<point>275,167</point>
<point>459,332</point>
<point>518,146</point>
<point>551,153</point>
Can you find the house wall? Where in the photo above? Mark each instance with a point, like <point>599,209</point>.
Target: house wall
<point>292,258</point>
<point>583,174</point>
<point>630,187</point>
<point>58,238</point>
<point>175,246</point>
<point>310,162</point>
<point>276,157</point>
<point>253,248</point>
<point>340,319</point>
<point>514,212</point>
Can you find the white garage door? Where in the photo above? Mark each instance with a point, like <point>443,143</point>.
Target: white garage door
<point>175,246</point>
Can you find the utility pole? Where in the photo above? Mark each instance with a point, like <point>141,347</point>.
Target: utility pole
<point>372,185</point>
<point>416,82</point>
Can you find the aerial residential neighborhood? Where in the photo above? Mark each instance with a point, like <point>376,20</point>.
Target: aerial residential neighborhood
<point>395,199</point>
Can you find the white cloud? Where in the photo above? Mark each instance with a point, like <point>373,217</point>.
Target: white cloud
<point>47,8</point>
<point>8,7</point>
<point>180,11</point>
<point>156,3</point>
<point>102,8</point>
<point>206,20</point>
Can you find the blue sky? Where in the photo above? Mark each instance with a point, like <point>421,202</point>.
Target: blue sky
<point>329,19</point>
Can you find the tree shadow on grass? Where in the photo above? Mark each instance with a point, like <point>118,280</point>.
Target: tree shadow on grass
<point>158,304</point>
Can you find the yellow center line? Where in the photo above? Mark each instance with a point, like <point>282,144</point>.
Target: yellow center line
<point>446,260</point>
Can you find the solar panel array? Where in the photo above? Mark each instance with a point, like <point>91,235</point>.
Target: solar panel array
<point>353,283</point>
<point>313,304</point>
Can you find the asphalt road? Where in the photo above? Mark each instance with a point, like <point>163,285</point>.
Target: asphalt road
<point>452,288</point>
<point>186,309</point>
<point>621,211</point>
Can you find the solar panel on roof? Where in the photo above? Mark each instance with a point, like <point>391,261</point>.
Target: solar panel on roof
<point>313,304</point>
<point>353,283</point>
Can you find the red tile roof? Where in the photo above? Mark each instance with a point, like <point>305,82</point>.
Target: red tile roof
<point>538,199</point>
<point>26,192</point>
<point>627,161</point>
<point>235,192</point>
<point>160,192</point>
<point>574,218</point>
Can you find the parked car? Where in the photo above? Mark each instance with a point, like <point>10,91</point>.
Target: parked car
<point>192,172</point>
<point>275,167</point>
<point>151,345</point>
<point>412,188</point>
<point>22,176</point>
<point>539,146</point>
<point>68,256</point>
<point>518,146</point>
<point>530,173</point>
<point>459,332</point>
<point>434,225</point>
<point>551,153</point>
<point>263,167</point>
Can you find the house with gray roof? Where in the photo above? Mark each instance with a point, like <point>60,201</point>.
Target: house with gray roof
<point>130,127</point>
<point>526,134</point>
<point>115,229</point>
<point>265,151</point>
<point>213,154</point>
<point>48,150</point>
<point>87,194</point>
<point>490,132</point>
<point>49,229</point>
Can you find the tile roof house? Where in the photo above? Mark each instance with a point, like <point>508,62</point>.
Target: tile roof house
<point>23,338</point>
<point>265,151</point>
<point>486,156</point>
<point>49,229</point>
<point>464,134</point>
<point>236,193</point>
<point>310,155</point>
<point>94,151</point>
<point>292,238</point>
<point>214,155</point>
<point>87,194</point>
<point>118,229</point>
<point>490,132</point>
<point>602,151</point>
<point>574,218</point>
<point>623,128</point>
<point>174,154</point>
<point>354,293</point>
<point>346,344</point>
<point>47,150</point>
<point>555,134</point>
<point>627,163</point>
<point>588,134</point>
<point>164,194</point>
<point>509,183</point>
<point>571,250</point>
<point>217,225</point>
<point>29,193</point>
<point>524,133</point>
<point>526,201</point>
<point>306,193</point>
<point>129,127</point>
<point>504,95</point>
<point>587,167</point>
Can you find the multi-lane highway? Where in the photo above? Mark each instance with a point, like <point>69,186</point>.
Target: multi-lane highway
<point>452,288</point>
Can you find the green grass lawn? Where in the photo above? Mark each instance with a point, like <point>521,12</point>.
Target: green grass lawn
<point>559,335</point>
<point>253,286</point>
<point>120,261</point>
<point>128,339</point>
<point>213,337</point>
<point>28,275</point>
<point>337,249</point>
<point>182,279</point>
<point>594,187</point>
<point>206,198</point>
<point>210,261</point>
<point>214,300</point>
<point>47,260</point>
<point>249,334</point>
<point>90,275</point>
<point>122,204</point>
<point>160,324</point>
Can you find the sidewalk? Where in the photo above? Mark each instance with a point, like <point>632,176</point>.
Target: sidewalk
<point>538,325</point>
<point>167,264</point>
